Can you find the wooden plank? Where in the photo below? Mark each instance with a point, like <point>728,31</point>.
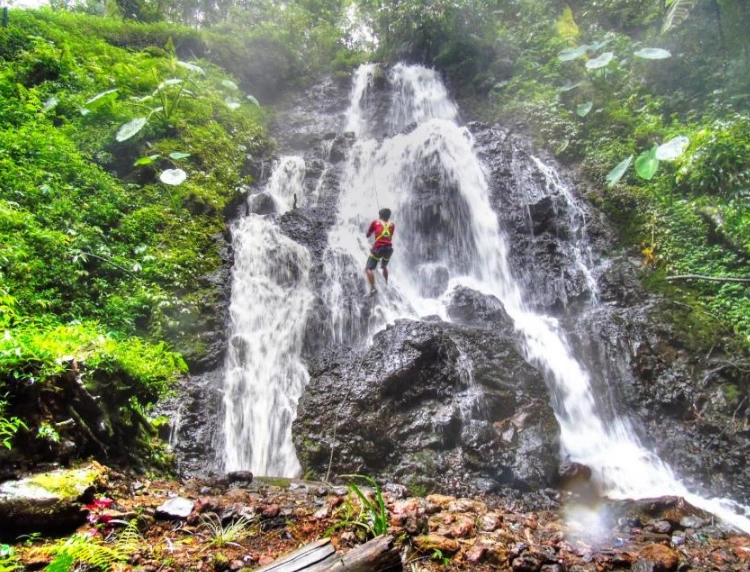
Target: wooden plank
<point>378,555</point>
<point>302,558</point>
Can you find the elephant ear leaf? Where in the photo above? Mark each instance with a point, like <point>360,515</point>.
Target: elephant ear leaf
<point>616,174</point>
<point>130,128</point>
<point>647,164</point>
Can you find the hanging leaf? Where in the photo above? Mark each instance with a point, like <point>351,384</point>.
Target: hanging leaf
<point>614,176</point>
<point>678,11</point>
<point>178,155</point>
<point>584,108</point>
<point>252,100</point>
<point>647,164</point>
<point>173,176</point>
<point>191,67</point>
<point>100,99</point>
<point>167,83</point>
<point>569,54</point>
<point>232,103</point>
<point>569,86</point>
<point>146,160</point>
<point>595,47</point>
<point>229,84</point>
<point>600,62</point>
<point>672,149</point>
<point>652,54</point>
<point>130,128</point>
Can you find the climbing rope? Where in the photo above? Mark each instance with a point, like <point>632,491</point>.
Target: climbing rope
<point>375,183</point>
<point>336,423</point>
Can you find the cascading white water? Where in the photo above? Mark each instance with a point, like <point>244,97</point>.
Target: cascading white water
<point>264,374</point>
<point>447,234</point>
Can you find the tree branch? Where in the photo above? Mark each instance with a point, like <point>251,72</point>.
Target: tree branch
<point>710,278</point>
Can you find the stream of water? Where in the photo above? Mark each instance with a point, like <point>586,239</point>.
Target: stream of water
<point>447,235</point>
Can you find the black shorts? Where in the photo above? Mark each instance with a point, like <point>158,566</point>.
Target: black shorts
<point>381,254</point>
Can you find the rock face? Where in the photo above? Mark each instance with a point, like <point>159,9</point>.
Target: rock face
<point>432,405</point>
<point>456,406</point>
<point>47,502</point>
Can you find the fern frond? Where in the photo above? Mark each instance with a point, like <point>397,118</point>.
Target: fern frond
<point>678,11</point>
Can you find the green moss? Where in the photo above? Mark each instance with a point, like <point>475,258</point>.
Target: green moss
<point>280,482</point>
<point>69,483</point>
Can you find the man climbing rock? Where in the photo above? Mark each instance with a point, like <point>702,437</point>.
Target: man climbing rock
<point>382,248</point>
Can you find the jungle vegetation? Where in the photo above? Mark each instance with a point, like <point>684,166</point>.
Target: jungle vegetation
<point>127,127</point>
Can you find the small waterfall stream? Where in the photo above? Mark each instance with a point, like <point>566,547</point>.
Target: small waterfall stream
<point>447,235</point>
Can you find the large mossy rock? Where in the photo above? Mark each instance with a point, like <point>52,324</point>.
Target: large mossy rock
<point>433,405</point>
<point>48,502</point>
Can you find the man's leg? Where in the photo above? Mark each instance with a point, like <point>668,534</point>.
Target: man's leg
<point>372,264</point>
<point>385,258</point>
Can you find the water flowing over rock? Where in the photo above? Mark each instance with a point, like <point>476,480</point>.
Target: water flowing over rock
<point>433,405</point>
<point>499,270</point>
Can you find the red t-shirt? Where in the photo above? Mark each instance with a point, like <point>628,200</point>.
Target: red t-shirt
<point>382,236</point>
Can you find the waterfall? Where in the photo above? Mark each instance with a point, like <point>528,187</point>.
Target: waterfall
<point>264,374</point>
<point>447,234</point>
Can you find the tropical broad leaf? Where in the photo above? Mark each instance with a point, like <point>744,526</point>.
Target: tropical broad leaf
<point>231,103</point>
<point>191,67</point>
<point>647,164</point>
<point>167,83</point>
<point>252,100</point>
<point>673,148</point>
<point>569,86</point>
<point>614,176</point>
<point>178,155</point>
<point>677,12</point>
<point>229,84</point>
<point>173,176</point>
<point>146,160</point>
<point>130,128</point>
<point>569,54</point>
<point>600,62</point>
<point>100,99</point>
<point>596,46</point>
<point>652,54</point>
<point>584,108</point>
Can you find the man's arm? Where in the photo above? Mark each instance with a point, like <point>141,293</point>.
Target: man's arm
<point>371,229</point>
<point>393,229</point>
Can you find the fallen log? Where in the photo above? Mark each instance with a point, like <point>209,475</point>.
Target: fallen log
<point>377,555</point>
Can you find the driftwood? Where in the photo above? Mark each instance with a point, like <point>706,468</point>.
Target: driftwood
<point>710,278</point>
<point>377,555</point>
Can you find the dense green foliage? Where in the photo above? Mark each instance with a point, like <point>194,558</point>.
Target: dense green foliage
<point>106,253</point>
<point>602,85</point>
<point>100,260</point>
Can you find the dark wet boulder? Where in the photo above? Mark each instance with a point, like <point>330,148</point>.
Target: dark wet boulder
<point>307,229</point>
<point>262,203</point>
<point>473,308</point>
<point>430,405</point>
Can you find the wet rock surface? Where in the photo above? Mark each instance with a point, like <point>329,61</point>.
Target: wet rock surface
<point>687,402</point>
<point>434,406</point>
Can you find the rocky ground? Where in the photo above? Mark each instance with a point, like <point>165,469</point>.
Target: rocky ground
<point>188,526</point>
